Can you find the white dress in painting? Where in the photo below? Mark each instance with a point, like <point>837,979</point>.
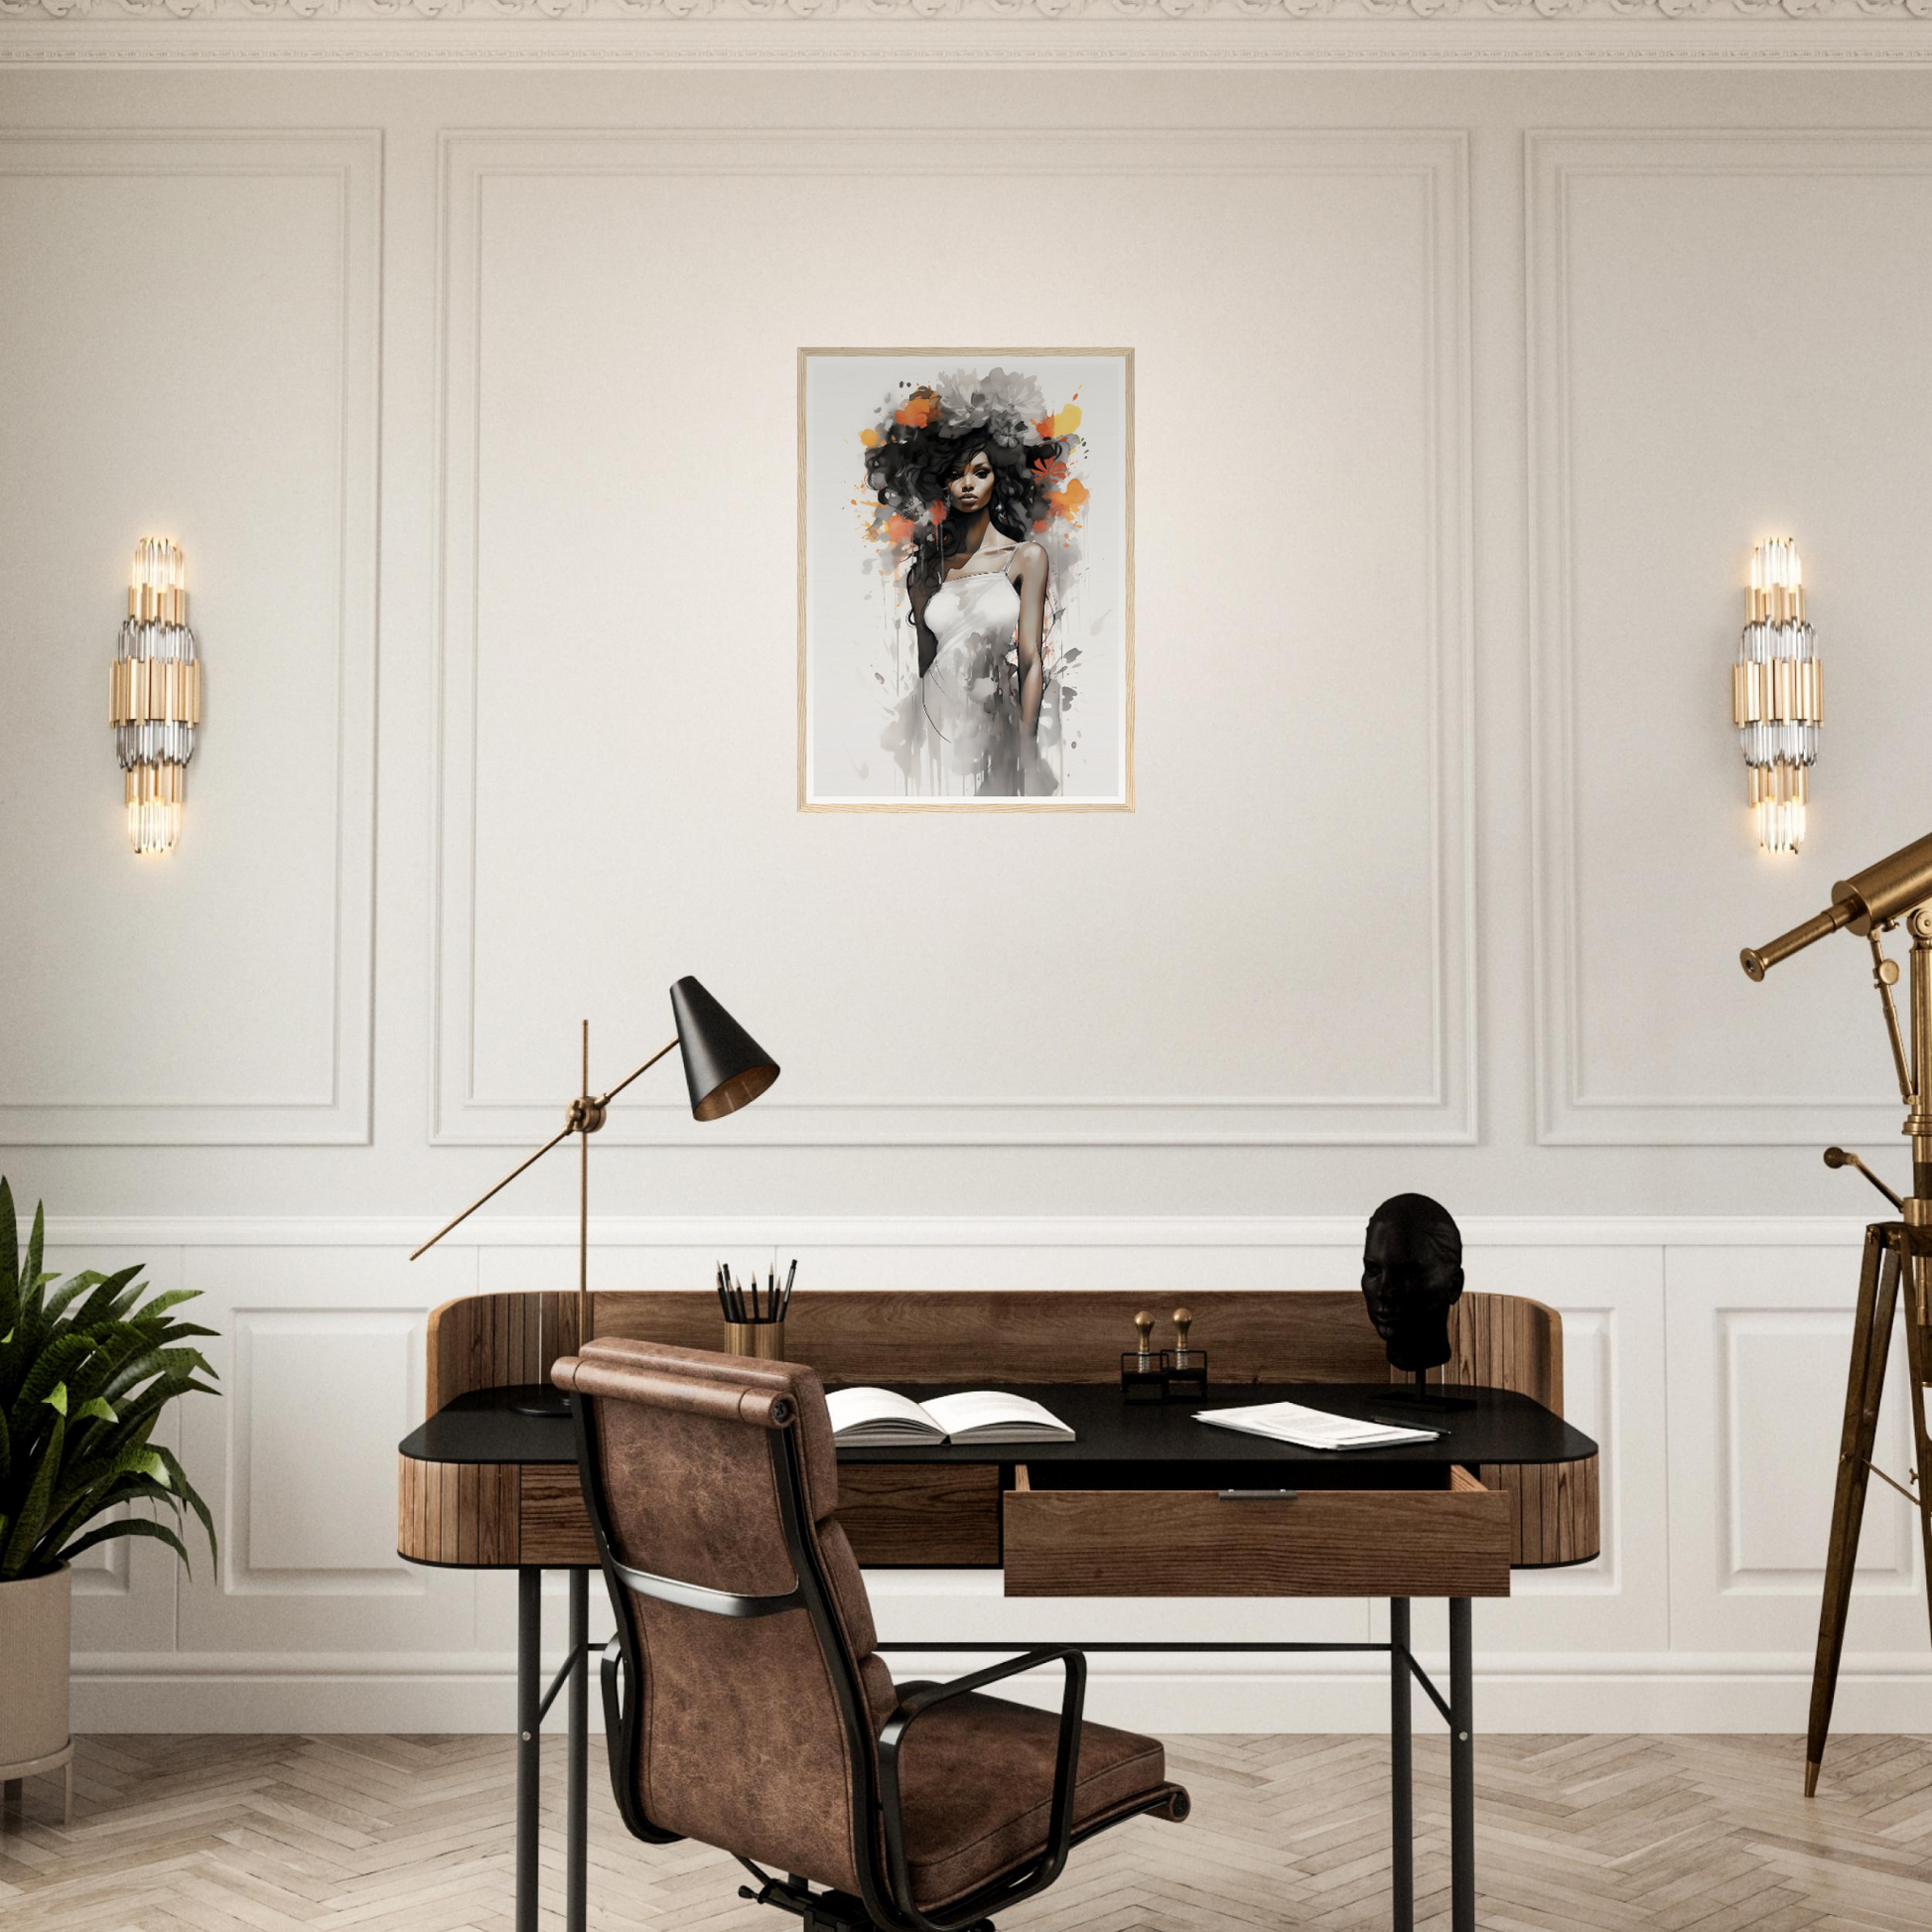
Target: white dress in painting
<point>957,733</point>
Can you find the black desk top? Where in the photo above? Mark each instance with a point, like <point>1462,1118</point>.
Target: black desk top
<point>1499,1427</point>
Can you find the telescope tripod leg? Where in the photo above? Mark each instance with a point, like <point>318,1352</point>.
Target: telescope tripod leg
<point>1871,1345</point>
<point>1918,1357</point>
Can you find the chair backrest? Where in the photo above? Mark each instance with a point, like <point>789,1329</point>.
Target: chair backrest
<point>711,1480</point>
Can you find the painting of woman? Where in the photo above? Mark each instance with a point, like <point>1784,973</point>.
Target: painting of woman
<point>976,513</point>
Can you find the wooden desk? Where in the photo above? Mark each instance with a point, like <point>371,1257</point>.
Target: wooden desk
<point>1131,1508</point>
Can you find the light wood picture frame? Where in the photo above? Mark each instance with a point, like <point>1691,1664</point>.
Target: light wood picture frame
<point>919,471</point>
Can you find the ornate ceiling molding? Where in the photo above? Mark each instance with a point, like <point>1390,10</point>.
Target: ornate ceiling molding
<point>967,33</point>
<point>990,11</point>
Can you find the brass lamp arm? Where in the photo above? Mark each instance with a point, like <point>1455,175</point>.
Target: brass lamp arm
<point>575,1123</point>
<point>562,1134</point>
<point>645,1068</point>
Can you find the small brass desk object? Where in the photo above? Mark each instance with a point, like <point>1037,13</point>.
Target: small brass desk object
<point>1870,903</point>
<point>1140,1379</point>
<point>1184,1369</point>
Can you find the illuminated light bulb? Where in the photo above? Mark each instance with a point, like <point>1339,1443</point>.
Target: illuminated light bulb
<point>1777,694</point>
<point>155,695</point>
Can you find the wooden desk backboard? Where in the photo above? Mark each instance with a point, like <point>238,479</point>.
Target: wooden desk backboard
<point>1502,1341</point>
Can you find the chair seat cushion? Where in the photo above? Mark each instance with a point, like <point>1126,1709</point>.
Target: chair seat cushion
<point>975,1786</point>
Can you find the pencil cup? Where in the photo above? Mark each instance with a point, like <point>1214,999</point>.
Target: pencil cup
<point>764,1339</point>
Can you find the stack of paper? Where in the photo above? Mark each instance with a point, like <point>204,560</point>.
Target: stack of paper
<point>1290,1421</point>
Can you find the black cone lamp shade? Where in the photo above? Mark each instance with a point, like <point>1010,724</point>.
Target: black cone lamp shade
<point>724,1066</point>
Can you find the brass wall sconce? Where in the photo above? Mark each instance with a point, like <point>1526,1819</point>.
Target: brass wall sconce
<point>155,695</point>
<point>1777,694</point>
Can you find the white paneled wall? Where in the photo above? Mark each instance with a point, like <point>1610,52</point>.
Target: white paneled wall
<point>1367,345</point>
<point>1658,406</point>
<point>1711,1373</point>
<point>200,323</point>
<point>468,392</point>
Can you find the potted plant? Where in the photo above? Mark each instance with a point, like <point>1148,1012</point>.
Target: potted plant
<point>86,1370</point>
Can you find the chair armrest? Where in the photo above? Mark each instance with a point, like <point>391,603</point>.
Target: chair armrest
<point>1066,1765</point>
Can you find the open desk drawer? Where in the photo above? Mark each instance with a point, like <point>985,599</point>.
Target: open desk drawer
<point>1442,1534</point>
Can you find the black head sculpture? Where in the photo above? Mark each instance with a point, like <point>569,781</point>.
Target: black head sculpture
<point>1412,1276</point>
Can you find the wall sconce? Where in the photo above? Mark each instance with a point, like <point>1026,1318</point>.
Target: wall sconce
<point>1777,694</point>
<point>155,697</point>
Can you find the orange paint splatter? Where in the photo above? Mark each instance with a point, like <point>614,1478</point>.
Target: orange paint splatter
<point>1070,501</point>
<point>871,438</point>
<point>1063,422</point>
<point>899,529</point>
<point>919,409</point>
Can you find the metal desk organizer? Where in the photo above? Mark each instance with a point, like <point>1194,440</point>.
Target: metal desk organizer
<point>1138,1505</point>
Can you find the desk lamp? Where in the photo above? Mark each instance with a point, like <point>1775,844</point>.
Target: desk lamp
<point>725,1069</point>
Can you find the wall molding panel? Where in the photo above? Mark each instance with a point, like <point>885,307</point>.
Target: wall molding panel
<point>1572,1108</point>
<point>1760,1343</point>
<point>310,1625</point>
<point>338,1111</point>
<point>1432,164</point>
<point>1338,1237</point>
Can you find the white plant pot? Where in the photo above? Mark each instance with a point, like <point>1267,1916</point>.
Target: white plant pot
<point>35,1629</point>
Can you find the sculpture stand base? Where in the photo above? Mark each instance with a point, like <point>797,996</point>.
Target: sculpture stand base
<point>1419,1400</point>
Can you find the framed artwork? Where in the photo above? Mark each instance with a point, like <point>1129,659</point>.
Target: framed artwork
<point>965,579</point>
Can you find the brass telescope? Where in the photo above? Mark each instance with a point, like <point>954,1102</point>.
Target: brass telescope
<point>1875,897</point>
<point>1896,1253</point>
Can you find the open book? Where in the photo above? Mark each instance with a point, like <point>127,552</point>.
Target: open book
<point>1289,1422</point>
<point>879,1419</point>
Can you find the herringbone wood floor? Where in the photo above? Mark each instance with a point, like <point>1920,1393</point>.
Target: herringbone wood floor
<point>1663,1834</point>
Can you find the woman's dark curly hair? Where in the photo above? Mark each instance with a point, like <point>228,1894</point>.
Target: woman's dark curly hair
<point>911,466</point>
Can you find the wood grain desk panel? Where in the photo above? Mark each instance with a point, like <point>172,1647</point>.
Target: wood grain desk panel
<point>925,1515</point>
<point>556,1528</point>
<point>921,1515</point>
<point>1449,1540</point>
<point>463,1513</point>
<point>1501,1341</point>
<point>499,1515</point>
<point>1552,1510</point>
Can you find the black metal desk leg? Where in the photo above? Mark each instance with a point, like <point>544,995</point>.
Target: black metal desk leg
<point>580,1745</point>
<point>1463,1771</point>
<point>529,1738</point>
<point>1402,1810</point>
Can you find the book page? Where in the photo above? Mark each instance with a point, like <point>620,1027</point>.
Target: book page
<point>861,1408</point>
<point>990,1408</point>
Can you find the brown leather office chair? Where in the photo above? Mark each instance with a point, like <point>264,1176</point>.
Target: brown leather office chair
<point>745,1704</point>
